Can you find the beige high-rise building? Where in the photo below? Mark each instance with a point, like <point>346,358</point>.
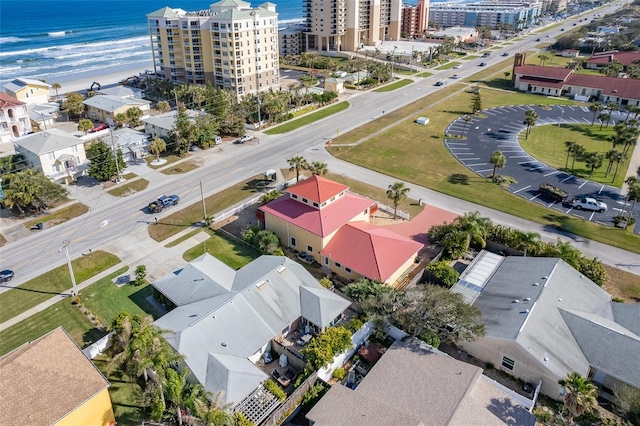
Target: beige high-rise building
<point>334,25</point>
<point>415,19</point>
<point>231,45</point>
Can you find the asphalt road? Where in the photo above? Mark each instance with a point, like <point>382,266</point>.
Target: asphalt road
<point>117,218</point>
<point>500,129</point>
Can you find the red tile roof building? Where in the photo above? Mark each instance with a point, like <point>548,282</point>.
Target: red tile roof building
<point>322,218</point>
<point>602,59</point>
<point>555,81</point>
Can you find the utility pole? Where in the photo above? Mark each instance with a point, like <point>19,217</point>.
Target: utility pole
<point>65,246</point>
<point>115,153</point>
<point>204,205</point>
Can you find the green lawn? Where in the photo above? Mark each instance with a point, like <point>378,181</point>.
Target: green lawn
<point>546,143</point>
<point>62,314</point>
<point>432,166</point>
<point>125,393</point>
<point>54,282</point>
<point>59,216</point>
<point>130,187</point>
<point>183,167</point>
<point>233,253</point>
<point>424,75</point>
<point>106,300</point>
<point>448,66</point>
<point>307,119</point>
<point>393,86</point>
<point>170,158</point>
<point>186,217</point>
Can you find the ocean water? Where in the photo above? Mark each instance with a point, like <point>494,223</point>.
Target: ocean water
<point>51,39</point>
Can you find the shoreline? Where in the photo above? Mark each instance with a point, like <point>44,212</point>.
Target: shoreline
<point>107,77</point>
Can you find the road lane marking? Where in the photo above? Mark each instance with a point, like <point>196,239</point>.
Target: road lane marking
<point>552,173</point>
<point>591,217</point>
<point>522,189</point>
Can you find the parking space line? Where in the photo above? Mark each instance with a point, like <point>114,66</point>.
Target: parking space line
<point>522,189</point>
<point>552,173</point>
<point>551,204</point>
<point>601,188</point>
<point>469,159</point>
<point>566,179</point>
<point>585,182</point>
<point>455,147</point>
<point>479,164</point>
<point>457,143</point>
<point>534,197</point>
<point>518,156</point>
<point>484,171</point>
<point>591,217</point>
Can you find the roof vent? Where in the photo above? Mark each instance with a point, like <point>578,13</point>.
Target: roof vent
<point>536,284</point>
<point>526,311</point>
<point>559,299</point>
<point>282,269</point>
<point>515,301</point>
<point>545,277</point>
<point>614,91</point>
<point>545,359</point>
<point>526,299</point>
<point>224,344</point>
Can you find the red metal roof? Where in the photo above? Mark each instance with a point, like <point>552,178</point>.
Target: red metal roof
<point>552,73</point>
<point>323,221</point>
<point>7,101</point>
<point>626,88</point>
<point>372,251</point>
<point>317,188</point>
<point>625,58</point>
<point>543,83</point>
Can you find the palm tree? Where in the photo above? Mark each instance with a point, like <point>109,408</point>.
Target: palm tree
<point>594,161</point>
<point>633,193</point>
<point>397,192</point>
<point>163,106</point>
<point>56,87</point>
<point>580,395</point>
<point>506,75</point>
<point>530,240</point>
<point>618,158</point>
<point>578,151</point>
<point>85,125</point>
<point>297,163</point>
<point>604,117</point>
<point>552,54</point>
<point>318,168</point>
<point>632,109</point>
<point>157,146</point>
<point>610,155</point>
<point>475,228</point>
<point>122,329</point>
<point>543,58</point>
<point>498,160</point>
<point>215,413</point>
<point>530,118</point>
<point>595,108</point>
<point>570,145</point>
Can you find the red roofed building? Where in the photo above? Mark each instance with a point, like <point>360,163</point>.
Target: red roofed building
<point>324,219</point>
<point>602,59</point>
<point>14,118</point>
<point>555,81</point>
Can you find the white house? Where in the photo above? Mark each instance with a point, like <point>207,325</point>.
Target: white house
<point>134,144</point>
<point>14,118</point>
<point>28,90</point>
<point>59,155</point>
<point>161,125</point>
<point>104,108</point>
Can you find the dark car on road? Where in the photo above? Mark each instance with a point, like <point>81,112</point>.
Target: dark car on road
<point>482,64</point>
<point>6,275</point>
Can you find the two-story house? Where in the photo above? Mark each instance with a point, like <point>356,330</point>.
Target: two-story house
<point>327,221</point>
<point>160,126</point>
<point>104,108</point>
<point>28,90</point>
<point>14,118</point>
<point>57,154</point>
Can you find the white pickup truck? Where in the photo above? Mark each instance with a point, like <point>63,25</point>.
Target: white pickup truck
<point>587,204</point>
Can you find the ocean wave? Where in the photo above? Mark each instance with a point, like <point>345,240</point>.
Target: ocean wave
<point>57,33</point>
<point>85,46</point>
<point>11,39</point>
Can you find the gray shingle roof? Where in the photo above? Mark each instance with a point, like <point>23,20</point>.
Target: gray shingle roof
<point>608,346</point>
<point>168,119</point>
<point>47,141</point>
<point>319,306</point>
<point>235,313</point>
<point>166,12</point>
<point>413,384</point>
<point>627,315</point>
<point>20,83</point>
<point>235,377</point>
<point>111,103</point>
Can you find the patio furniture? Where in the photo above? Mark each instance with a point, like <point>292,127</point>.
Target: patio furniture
<point>283,380</point>
<point>306,338</point>
<point>291,373</point>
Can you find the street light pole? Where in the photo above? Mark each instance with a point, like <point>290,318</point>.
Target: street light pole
<point>115,154</point>
<point>204,205</point>
<point>65,246</point>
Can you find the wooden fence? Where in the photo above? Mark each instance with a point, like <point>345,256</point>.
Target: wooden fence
<point>280,414</point>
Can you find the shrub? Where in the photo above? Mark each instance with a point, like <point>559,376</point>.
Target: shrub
<point>269,196</point>
<point>544,416</point>
<point>442,273</point>
<point>302,377</point>
<point>273,388</point>
<point>249,234</point>
<point>313,395</point>
<point>354,325</point>
<point>618,299</point>
<point>339,373</point>
<point>324,346</point>
<point>326,282</point>
<point>267,242</point>
<point>141,274</point>
<point>241,420</point>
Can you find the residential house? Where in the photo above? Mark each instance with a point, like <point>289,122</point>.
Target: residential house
<point>327,221</point>
<point>556,81</point>
<point>570,53</point>
<point>544,320</point>
<point>160,126</point>
<point>57,154</point>
<point>43,114</point>
<point>49,381</point>
<point>335,85</point>
<point>28,90</point>
<point>14,118</point>
<point>134,144</point>
<point>415,384</point>
<point>104,108</point>
<point>224,320</point>
<point>121,92</point>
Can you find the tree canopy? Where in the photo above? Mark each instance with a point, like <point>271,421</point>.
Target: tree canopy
<point>30,189</point>
<point>102,164</point>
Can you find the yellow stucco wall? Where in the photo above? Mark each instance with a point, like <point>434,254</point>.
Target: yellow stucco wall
<point>95,412</point>
<point>285,231</point>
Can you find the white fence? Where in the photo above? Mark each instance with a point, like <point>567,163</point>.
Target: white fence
<point>357,339</point>
<point>389,209</point>
<point>96,348</point>
<point>249,202</point>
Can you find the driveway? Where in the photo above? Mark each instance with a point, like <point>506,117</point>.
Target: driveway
<point>499,130</point>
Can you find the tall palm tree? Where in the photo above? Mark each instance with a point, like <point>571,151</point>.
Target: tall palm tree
<point>604,117</point>
<point>530,118</point>
<point>580,395</point>
<point>578,150</point>
<point>594,161</point>
<point>318,168</point>
<point>176,390</point>
<point>529,240</point>
<point>595,108</point>
<point>297,163</point>
<point>56,87</point>
<point>157,146</point>
<point>570,145</point>
<point>633,194</point>
<point>498,160</point>
<point>475,228</point>
<point>397,192</point>
<point>618,158</point>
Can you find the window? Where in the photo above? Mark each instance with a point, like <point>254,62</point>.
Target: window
<point>347,270</point>
<point>293,241</point>
<point>326,261</point>
<point>310,249</point>
<point>508,363</point>
<point>286,330</point>
<point>294,196</point>
<point>304,200</point>
<point>366,211</point>
<point>51,156</point>
<point>316,205</point>
<point>337,265</point>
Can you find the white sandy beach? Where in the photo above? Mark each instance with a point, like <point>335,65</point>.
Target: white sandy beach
<point>81,81</point>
